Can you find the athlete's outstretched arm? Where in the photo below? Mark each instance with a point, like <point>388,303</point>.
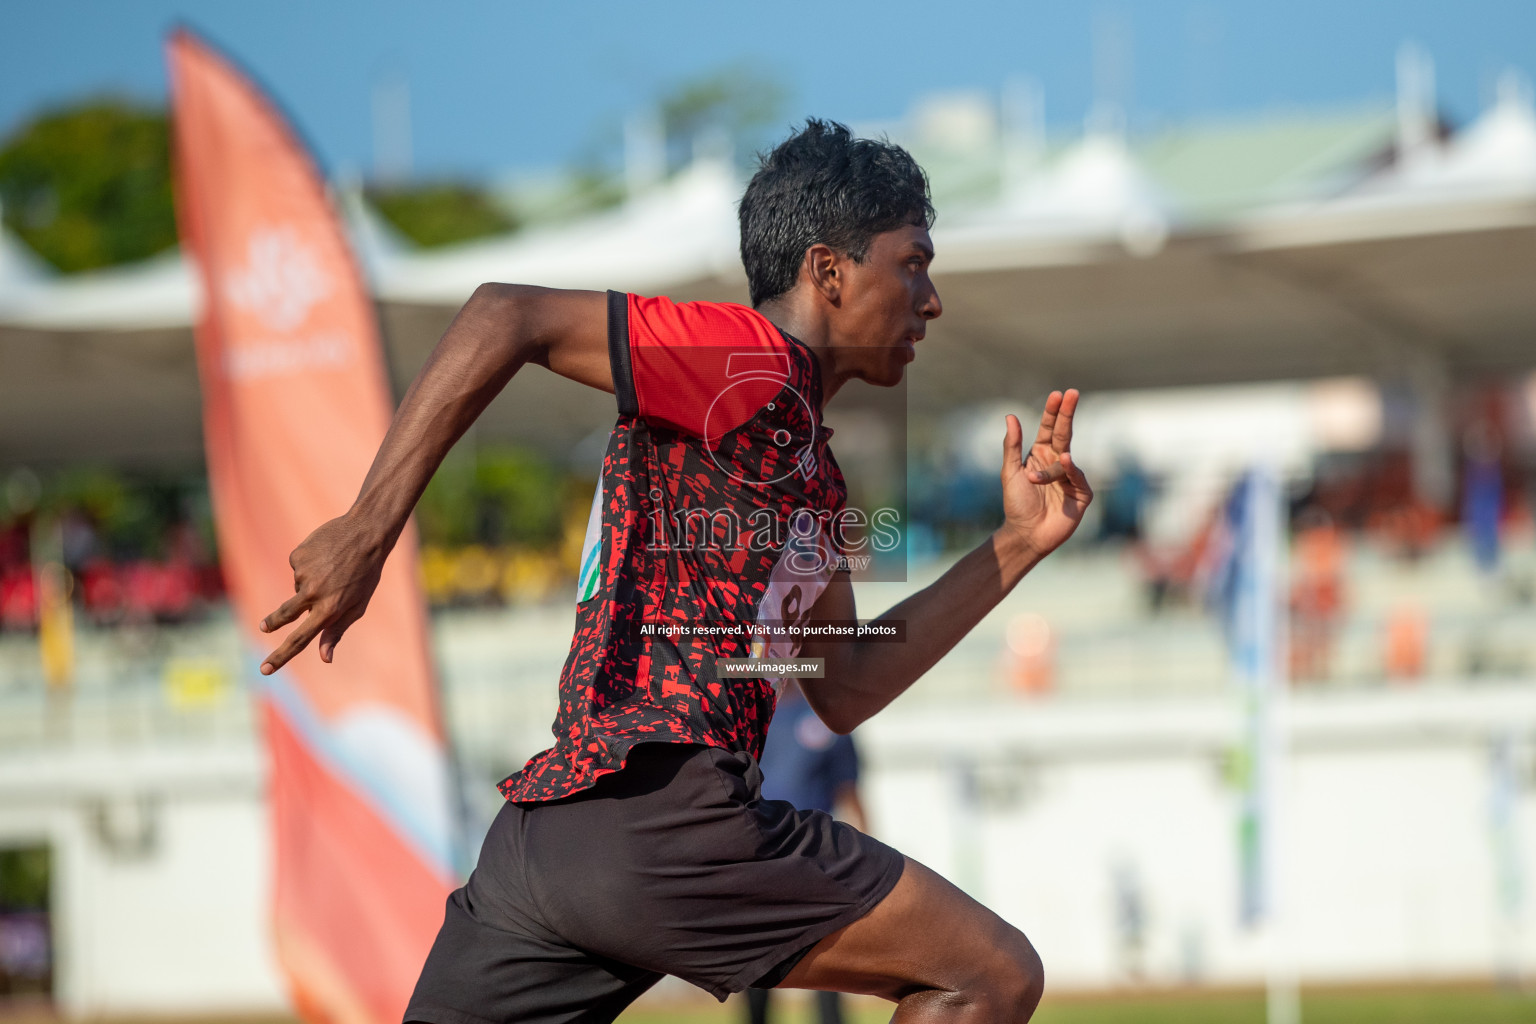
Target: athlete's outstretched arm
<point>1044,496</point>
<point>500,330</point>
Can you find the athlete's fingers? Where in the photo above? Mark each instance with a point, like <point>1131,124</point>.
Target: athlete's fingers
<point>1075,475</point>
<point>1049,475</point>
<point>292,645</point>
<point>1013,444</point>
<point>286,613</point>
<point>1048,418</point>
<point>1065,468</point>
<point>1061,434</point>
<point>331,636</point>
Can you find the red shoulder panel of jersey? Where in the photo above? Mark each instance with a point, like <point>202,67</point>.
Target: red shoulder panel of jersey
<point>699,367</point>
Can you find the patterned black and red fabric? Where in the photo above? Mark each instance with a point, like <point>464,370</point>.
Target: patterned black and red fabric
<point>716,489</point>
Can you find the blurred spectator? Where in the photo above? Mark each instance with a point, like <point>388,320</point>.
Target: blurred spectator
<point>175,587</point>
<point>79,541</point>
<point>18,597</point>
<point>1482,494</point>
<point>26,962</point>
<point>1031,654</point>
<point>1407,643</point>
<point>1130,920</point>
<point>15,543</point>
<point>1171,577</point>
<point>815,769</point>
<point>1390,509</point>
<point>1409,529</point>
<point>18,586</point>
<point>134,546</point>
<point>952,500</point>
<point>1317,593</point>
<point>1124,500</point>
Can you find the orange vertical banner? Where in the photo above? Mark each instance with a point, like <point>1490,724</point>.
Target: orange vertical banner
<point>295,403</point>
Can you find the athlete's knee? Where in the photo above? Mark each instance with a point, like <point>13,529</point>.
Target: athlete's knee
<point>1015,979</point>
<point>1031,979</point>
<point>1002,985</point>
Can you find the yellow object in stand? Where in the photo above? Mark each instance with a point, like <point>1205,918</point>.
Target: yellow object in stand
<point>191,683</point>
<point>56,625</point>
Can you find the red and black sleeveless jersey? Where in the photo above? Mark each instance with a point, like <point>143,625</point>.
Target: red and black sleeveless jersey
<point>712,512</point>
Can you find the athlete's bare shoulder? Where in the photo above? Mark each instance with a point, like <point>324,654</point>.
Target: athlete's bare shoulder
<point>566,329</point>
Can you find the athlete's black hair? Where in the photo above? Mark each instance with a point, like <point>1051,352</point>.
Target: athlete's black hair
<point>823,185</point>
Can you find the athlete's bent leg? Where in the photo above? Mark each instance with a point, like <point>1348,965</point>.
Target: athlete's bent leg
<point>935,951</point>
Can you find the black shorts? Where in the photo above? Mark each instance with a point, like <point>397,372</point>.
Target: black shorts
<point>675,865</point>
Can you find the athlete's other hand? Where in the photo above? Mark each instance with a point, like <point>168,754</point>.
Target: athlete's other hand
<point>335,572</point>
<point>1044,493</point>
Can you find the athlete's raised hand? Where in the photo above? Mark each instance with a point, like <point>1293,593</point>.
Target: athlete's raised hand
<point>335,572</point>
<point>1044,493</point>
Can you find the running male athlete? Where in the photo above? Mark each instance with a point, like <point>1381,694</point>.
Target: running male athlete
<point>639,845</point>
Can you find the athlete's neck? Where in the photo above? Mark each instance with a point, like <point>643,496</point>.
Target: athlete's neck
<point>800,321</point>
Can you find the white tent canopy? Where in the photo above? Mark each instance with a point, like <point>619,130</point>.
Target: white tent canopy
<point>1092,194</point>
<point>1493,156</point>
<point>1085,274</point>
<point>682,231</point>
<point>1484,177</point>
<point>157,293</point>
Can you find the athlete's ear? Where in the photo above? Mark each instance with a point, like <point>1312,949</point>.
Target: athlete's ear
<point>823,267</point>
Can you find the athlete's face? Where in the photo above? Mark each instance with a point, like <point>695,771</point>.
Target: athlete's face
<point>886,303</point>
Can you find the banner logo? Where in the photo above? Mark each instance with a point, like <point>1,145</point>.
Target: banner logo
<point>281,280</point>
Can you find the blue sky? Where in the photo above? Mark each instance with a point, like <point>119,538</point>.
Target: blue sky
<point>513,83</point>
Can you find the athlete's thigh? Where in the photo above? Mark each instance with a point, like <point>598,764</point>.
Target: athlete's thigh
<point>926,934</point>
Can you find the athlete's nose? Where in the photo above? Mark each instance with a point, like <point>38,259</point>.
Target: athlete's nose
<point>931,307</point>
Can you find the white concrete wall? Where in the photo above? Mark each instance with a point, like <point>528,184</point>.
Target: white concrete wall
<point>1033,807</point>
<point>160,876</point>
<point>1389,848</point>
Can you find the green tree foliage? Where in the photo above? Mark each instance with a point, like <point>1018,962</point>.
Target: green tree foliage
<point>131,512</point>
<point>89,185</point>
<point>440,213</point>
<point>24,879</point>
<point>500,495</point>
<point>736,103</point>
<point>734,109</point>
